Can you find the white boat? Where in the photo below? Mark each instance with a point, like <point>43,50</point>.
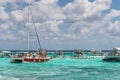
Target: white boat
<point>5,53</point>
<point>96,52</point>
<point>113,56</point>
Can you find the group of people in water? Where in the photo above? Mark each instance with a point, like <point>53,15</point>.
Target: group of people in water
<point>38,54</point>
<point>58,54</point>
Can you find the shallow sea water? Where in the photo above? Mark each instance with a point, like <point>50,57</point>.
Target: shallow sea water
<point>60,69</point>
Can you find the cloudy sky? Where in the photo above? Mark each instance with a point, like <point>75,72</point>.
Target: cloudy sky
<point>61,24</point>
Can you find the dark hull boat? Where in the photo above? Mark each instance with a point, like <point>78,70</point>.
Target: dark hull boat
<point>113,56</point>
<point>17,60</point>
<point>111,59</point>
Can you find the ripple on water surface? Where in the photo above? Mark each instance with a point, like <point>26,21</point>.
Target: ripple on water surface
<point>60,69</point>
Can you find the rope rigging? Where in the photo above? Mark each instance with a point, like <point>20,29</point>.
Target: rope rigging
<point>30,11</point>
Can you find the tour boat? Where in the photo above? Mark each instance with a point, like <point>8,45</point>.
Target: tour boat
<point>113,56</point>
<point>39,56</point>
<point>29,59</point>
<point>79,51</point>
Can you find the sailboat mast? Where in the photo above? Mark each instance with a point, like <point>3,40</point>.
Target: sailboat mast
<point>28,30</point>
<point>35,29</point>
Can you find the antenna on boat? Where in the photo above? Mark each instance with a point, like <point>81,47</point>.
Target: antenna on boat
<point>30,11</point>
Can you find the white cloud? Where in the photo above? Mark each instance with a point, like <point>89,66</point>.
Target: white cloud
<point>114,28</point>
<point>84,9</point>
<point>6,1</point>
<point>47,10</point>
<point>3,14</point>
<point>5,33</point>
<point>111,23</point>
<point>17,15</point>
<point>29,1</point>
<point>48,29</point>
<point>4,27</point>
<point>113,14</point>
<point>84,19</point>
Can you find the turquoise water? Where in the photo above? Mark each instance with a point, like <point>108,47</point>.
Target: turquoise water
<point>60,69</point>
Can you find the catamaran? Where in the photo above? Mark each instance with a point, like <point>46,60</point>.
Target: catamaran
<point>39,56</point>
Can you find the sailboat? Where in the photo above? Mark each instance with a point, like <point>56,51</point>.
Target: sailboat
<point>39,56</point>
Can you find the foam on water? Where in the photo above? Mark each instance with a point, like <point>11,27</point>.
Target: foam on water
<point>8,78</point>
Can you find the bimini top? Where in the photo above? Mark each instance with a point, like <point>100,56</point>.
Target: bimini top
<point>116,49</point>
<point>5,51</point>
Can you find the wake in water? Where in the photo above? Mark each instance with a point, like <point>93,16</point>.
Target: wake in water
<point>8,78</point>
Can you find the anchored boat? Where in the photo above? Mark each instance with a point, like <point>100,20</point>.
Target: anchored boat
<point>113,56</point>
<point>39,56</point>
<point>31,57</point>
<point>4,53</point>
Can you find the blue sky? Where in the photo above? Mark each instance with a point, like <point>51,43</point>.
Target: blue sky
<point>61,24</point>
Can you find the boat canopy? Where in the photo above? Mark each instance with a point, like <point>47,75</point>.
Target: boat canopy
<point>5,51</point>
<point>116,50</point>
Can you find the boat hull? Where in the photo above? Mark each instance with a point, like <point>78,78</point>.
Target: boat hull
<point>17,60</point>
<point>22,60</point>
<point>111,59</point>
<point>36,60</point>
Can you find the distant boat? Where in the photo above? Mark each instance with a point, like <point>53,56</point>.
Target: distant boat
<point>59,52</point>
<point>5,53</point>
<point>96,52</point>
<point>113,56</point>
<point>39,56</point>
<point>79,51</point>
